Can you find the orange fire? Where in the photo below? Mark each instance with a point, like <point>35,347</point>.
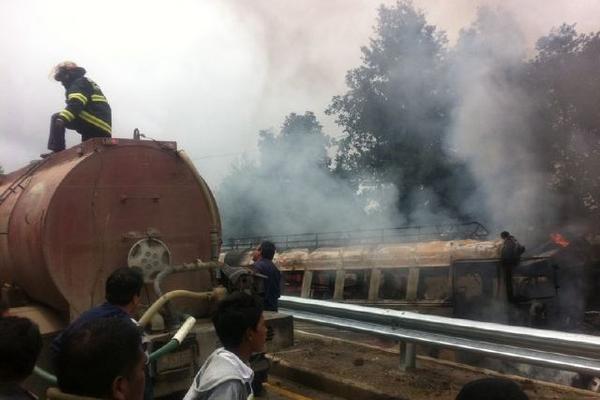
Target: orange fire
<point>559,239</point>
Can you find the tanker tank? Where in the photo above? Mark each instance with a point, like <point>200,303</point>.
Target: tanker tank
<point>68,221</point>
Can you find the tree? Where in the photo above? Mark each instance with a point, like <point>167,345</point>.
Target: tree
<point>395,115</point>
<point>564,78</point>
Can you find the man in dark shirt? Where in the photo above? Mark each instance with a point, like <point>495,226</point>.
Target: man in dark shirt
<point>266,267</point>
<point>20,346</point>
<point>510,255</point>
<point>103,358</point>
<point>123,288</point>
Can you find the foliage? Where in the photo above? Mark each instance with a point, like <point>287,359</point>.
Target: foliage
<point>564,79</point>
<point>395,116</point>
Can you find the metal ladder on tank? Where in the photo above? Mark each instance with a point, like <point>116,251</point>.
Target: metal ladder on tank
<point>18,183</point>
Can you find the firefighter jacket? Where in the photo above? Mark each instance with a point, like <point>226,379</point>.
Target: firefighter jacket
<point>86,107</point>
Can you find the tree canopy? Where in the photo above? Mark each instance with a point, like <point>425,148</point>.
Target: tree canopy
<point>395,116</point>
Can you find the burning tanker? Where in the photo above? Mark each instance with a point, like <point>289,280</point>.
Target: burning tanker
<point>459,274</point>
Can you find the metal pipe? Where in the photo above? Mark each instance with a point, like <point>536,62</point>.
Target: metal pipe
<point>408,356</point>
<point>171,269</point>
<point>154,308</point>
<point>539,339</point>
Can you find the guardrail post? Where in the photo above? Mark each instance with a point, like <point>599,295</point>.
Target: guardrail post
<point>408,356</point>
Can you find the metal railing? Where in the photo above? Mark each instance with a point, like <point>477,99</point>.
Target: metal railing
<point>553,349</point>
<point>404,234</point>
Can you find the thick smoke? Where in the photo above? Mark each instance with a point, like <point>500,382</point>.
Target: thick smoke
<point>492,124</point>
<point>290,189</point>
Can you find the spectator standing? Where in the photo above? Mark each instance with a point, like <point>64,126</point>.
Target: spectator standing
<point>241,328</point>
<point>265,266</point>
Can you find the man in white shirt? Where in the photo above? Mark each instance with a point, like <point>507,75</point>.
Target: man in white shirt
<point>241,328</point>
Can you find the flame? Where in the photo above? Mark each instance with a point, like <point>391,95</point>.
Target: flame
<point>559,239</point>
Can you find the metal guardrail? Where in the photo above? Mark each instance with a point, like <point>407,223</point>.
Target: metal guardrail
<point>553,349</point>
<point>404,234</point>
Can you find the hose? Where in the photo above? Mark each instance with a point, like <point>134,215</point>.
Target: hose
<point>154,308</point>
<point>176,340</point>
<point>45,375</point>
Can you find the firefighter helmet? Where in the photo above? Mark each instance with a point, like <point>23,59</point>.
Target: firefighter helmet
<point>65,68</point>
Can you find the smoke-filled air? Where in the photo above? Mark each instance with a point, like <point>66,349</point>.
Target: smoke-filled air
<point>433,132</point>
<point>364,117</point>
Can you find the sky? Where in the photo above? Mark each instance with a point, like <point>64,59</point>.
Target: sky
<point>207,74</point>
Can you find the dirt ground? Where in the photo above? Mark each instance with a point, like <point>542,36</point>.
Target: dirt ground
<point>376,369</point>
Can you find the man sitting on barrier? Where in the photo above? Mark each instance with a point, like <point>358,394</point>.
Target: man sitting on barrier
<point>20,346</point>
<point>241,328</point>
<point>102,358</point>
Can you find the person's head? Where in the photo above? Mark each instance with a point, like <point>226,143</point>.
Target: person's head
<point>103,358</point>
<point>491,389</point>
<point>67,71</point>
<point>124,286</point>
<point>504,234</point>
<point>267,250</point>
<point>239,323</point>
<point>20,346</point>
<point>256,254</point>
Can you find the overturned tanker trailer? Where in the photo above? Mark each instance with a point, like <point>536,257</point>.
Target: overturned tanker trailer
<point>68,221</point>
<point>454,271</point>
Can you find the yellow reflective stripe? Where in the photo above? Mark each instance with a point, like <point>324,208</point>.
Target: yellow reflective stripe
<point>97,97</point>
<point>79,96</point>
<point>66,114</point>
<point>86,116</point>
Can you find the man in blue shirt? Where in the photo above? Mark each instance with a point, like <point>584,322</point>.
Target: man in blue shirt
<point>266,267</point>
<point>123,288</point>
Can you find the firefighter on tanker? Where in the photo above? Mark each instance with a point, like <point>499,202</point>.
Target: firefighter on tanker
<point>87,111</point>
<point>510,256</point>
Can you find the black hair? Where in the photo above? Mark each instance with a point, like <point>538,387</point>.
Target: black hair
<point>491,389</point>
<point>267,250</point>
<point>234,315</point>
<point>123,284</point>
<point>504,234</point>
<point>95,354</point>
<point>20,346</point>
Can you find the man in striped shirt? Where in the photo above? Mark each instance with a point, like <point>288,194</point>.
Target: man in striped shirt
<point>87,111</point>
